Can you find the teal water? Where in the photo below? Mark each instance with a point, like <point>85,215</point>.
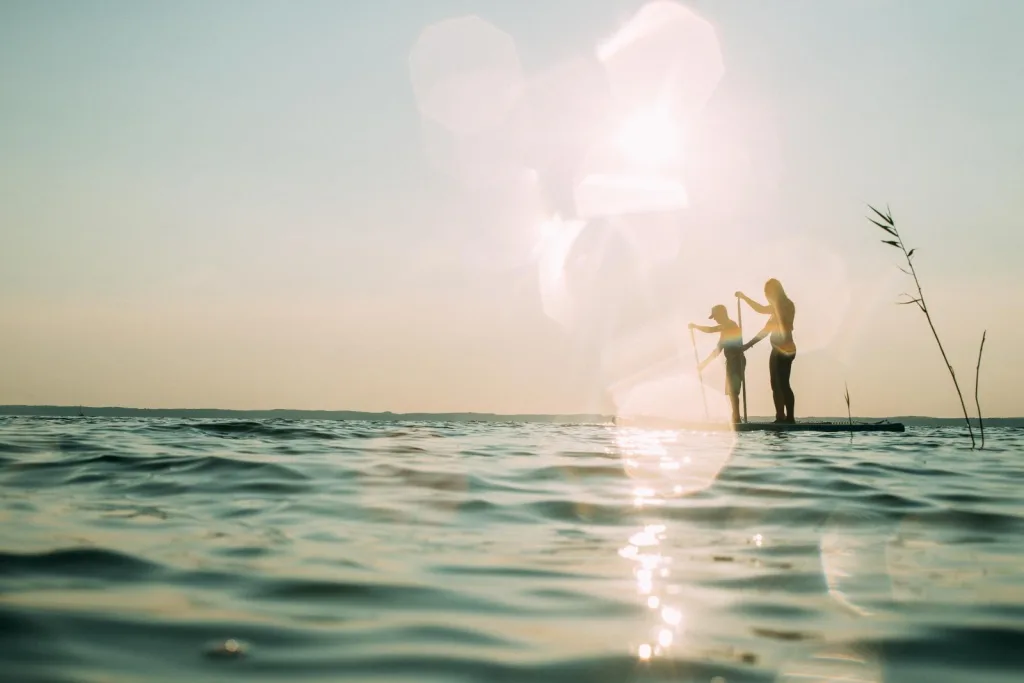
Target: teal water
<point>192,550</point>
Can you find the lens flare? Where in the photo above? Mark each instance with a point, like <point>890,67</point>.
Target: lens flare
<point>601,195</point>
<point>834,664</point>
<point>852,549</point>
<point>665,50</point>
<point>557,237</point>
<point>466,74</point>
<point>650,137</point>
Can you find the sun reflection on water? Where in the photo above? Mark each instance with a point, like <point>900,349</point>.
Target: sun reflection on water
<point>651,570</point>
<point>664,465</point>
<point>671,463</point>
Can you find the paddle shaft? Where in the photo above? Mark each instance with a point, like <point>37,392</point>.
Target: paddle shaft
<point>743,383</point>
<point>700,373</point>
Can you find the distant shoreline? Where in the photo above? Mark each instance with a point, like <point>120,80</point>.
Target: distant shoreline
<point>286,414</point>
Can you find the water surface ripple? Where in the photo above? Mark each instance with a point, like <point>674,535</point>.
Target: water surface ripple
<point>218,550</point>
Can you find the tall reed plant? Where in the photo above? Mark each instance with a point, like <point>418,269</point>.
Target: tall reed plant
<point>977,374</point>
<point>887,224</point>
<point>849,413</point>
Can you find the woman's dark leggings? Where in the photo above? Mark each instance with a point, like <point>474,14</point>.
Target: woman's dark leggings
<point>780,366</point>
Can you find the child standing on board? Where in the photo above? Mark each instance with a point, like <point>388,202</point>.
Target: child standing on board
<point>730,342</point>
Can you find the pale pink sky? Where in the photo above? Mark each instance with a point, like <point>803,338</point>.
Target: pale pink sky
<point>241,207</point>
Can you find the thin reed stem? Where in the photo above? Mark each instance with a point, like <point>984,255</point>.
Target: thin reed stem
<point>977,374</point>
<point>849,414</point>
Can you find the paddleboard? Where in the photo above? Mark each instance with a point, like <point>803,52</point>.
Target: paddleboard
<point>778,427</point>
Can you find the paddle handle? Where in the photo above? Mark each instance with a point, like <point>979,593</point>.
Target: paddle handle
<point>700,374</point>
<point>743,381</point>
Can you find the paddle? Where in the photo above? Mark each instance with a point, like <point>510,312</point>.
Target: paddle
<point>700,374</point>
<point>743,383</point>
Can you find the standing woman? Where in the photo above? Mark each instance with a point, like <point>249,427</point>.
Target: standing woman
<point>780,327</point>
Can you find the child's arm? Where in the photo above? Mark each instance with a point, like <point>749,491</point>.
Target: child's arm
<point>762,334</point>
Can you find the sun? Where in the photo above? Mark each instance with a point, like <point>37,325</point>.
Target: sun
<point>650,137</point>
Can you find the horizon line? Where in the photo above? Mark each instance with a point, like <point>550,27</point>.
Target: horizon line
<point>28,410</point>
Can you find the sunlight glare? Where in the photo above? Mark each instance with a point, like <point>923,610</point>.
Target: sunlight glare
<point>697,458</point>
<point>601,195</point>
<point>650,137</point>
<point>650,571</point>
<point>665,50</point>
<point>556,240</point>
<point>665,637</point>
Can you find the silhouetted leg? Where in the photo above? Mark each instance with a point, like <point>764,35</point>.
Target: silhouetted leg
<point>784,374</point>
<point>774,361</point>
<point>735,400</point>
<point>733,384</point>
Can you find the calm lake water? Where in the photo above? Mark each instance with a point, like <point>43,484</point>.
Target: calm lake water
<point>190,550</point>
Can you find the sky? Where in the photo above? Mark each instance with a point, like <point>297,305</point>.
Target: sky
<point>442,205</point>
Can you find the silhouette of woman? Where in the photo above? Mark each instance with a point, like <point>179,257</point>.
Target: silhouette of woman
<point>780,362</point>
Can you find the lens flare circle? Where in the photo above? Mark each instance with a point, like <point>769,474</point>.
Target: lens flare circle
<point>650,137</point>
<point>466,74</point>
<point>665,50</point>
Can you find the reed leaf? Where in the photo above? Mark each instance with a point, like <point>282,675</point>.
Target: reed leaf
<point>884,217</point>
<point>883,227</point>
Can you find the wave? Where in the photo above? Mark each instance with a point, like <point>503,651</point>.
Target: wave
<point>456,551</point>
